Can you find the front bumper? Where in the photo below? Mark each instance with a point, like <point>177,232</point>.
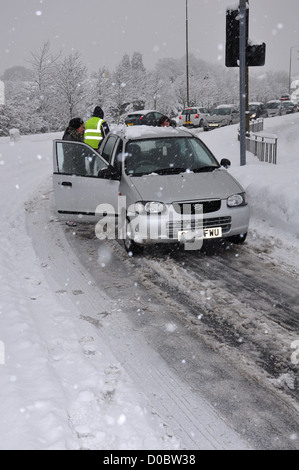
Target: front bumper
<point>147,229</point>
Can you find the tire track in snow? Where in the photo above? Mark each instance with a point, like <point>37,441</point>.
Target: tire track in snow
<point>182,414</point>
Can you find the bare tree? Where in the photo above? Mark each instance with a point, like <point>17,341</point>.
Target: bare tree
<point>70,85</point>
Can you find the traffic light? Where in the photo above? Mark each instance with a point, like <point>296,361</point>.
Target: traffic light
<point>233,37</point>
<point>255,53</point>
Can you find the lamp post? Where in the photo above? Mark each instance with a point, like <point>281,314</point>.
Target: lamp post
<point>290,68</point>
<point>187,55</point>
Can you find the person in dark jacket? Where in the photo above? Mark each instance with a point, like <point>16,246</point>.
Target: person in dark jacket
<point>74,160</point>
<point>75,130</point>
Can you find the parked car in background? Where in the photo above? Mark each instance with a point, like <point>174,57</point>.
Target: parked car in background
<point>145,118</point>
<point>257,110</point>
<point>194,117</point>
<point>173,189</point>
<point>223,115</point>
<point>289,107</point>
<point>274,108</point>
<point>285,97</point>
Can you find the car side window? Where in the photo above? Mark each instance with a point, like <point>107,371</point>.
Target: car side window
<point>78,159</point>
<point>117,162</point>
<point>107,151</point>
<point>150,117</point>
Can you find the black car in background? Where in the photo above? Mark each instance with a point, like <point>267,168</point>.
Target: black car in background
<point>290,107</point>
<point>145,118</point>
<point>257,110</point>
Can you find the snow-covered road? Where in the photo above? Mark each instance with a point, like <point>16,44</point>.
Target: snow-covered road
<point>84,327</point>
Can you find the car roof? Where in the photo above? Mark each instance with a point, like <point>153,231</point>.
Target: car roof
<point>226,106</point>
<point>143,111</point>
<point>150,132</point>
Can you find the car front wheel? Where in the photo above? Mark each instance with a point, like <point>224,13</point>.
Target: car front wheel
<point>130,246</point>
<point>238,239</point>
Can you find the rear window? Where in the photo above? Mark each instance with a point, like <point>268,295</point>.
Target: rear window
<point>190,111</point>
<point>134,117</point>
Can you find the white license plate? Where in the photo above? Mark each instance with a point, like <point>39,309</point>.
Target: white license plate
<point>213,232</point>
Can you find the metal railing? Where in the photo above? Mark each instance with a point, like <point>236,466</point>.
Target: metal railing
<point>264,147</point>
<point>256,125</point>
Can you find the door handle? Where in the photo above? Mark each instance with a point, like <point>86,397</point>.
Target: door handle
<point>66,183</point>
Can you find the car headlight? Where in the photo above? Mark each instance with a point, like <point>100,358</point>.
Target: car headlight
<point>150,207</point>
<point>237,200</point>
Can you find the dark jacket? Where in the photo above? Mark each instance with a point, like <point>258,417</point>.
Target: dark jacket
<point>71,134</point>
<point>73,158</point>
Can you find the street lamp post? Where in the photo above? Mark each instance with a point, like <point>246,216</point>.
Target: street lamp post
<point>187,55</point>
<point>290,68</point>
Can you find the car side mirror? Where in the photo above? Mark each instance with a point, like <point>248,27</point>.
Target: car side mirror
<point>109,173</point>
<point>225,162</point>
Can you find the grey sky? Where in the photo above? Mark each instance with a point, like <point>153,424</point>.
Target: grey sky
<point>102,31</point>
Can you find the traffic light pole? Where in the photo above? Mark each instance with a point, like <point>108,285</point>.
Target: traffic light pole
<point>242,59</point>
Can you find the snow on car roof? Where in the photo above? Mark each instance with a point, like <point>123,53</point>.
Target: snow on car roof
<point>136,132</point>
<point>142,111</point>
<point>226,106</point>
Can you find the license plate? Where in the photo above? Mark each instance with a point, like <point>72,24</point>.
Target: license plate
<point>213,232</point>
<point>130,124</point>
<point>213,125</point>
<point>188,122</point>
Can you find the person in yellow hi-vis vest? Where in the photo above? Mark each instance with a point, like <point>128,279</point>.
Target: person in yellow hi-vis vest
<point>95,128</point>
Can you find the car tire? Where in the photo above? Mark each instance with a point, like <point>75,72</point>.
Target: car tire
<point>238,239</point>
<point>131,247</point>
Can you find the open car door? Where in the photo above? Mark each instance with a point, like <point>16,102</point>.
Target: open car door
<point>81,182</point>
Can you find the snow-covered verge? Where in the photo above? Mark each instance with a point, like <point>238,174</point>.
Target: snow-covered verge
<point>273,190</point>
<point>58,379</point>
<point>60,384</point>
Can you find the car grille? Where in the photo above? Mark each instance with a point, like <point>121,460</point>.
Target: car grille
<point>207,206</point>
<point>174,227</point>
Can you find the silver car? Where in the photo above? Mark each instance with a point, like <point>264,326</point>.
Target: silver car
<point>223,115</point>
<point>150,185</point>
<point>274,108</point>
<point>194,117</point>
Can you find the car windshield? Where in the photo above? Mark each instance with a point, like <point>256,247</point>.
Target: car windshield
<point>273,105</point>
<point>220,111</point>
<point>253,107</point>
<point>167,156</point>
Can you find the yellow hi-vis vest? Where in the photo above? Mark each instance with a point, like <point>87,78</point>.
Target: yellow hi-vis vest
<point>92,133</point>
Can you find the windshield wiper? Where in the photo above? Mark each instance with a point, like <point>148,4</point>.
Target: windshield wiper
<point>170,171</point>
<point>205,169</point>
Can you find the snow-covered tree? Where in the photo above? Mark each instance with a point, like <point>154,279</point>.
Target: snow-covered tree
<point>70,86</point>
